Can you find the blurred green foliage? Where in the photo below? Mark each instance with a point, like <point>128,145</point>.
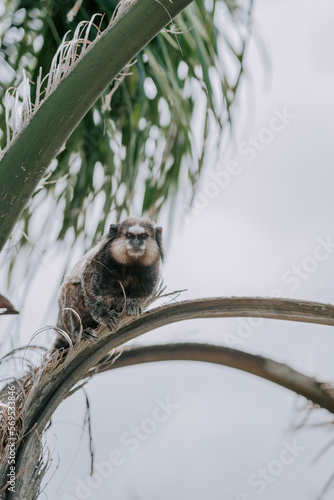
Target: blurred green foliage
<point>136,156</point>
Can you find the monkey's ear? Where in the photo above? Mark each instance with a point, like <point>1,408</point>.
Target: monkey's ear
<point>158,239</point>
<point>113,230</point>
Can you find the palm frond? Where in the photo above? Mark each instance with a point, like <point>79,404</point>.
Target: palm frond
<point>131,158</point>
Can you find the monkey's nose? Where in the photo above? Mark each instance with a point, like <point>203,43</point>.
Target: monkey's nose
<point>137,244</point>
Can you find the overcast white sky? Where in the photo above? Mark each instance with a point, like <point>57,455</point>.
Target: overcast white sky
<point>277,208</point>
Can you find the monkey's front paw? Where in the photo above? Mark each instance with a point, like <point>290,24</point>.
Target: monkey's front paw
<point>89,334</point>
<point>113,321</point>
<point>133,308</point>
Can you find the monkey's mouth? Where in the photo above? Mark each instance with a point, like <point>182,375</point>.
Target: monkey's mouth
<point>136,252</point>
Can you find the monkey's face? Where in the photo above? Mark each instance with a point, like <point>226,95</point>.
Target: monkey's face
<point>135,243</point>
<point>136,239</point>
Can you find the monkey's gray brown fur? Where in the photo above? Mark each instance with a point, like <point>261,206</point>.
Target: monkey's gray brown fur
<point>116,275</point>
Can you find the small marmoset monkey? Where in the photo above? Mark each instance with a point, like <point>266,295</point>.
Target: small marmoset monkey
<point>116,275</point>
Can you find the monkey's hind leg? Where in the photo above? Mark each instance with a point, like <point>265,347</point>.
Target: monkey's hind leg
<point>73,316</point>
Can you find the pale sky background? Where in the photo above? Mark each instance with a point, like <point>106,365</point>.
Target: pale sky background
<point>229,425</point>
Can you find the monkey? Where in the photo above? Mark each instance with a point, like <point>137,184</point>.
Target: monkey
<point>115,276</point>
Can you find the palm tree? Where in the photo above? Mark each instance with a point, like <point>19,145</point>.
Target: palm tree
<point>130,155</point>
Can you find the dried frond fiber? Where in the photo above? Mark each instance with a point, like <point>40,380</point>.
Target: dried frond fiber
<point>18,106</point>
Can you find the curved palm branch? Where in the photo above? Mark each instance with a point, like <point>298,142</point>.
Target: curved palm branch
<point>44,388</point>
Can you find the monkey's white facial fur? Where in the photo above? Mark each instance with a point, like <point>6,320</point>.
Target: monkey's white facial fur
<point>135,243</point>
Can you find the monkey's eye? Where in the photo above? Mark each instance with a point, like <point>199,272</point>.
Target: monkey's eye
<point>143,236</point>
<point>128,236</point>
